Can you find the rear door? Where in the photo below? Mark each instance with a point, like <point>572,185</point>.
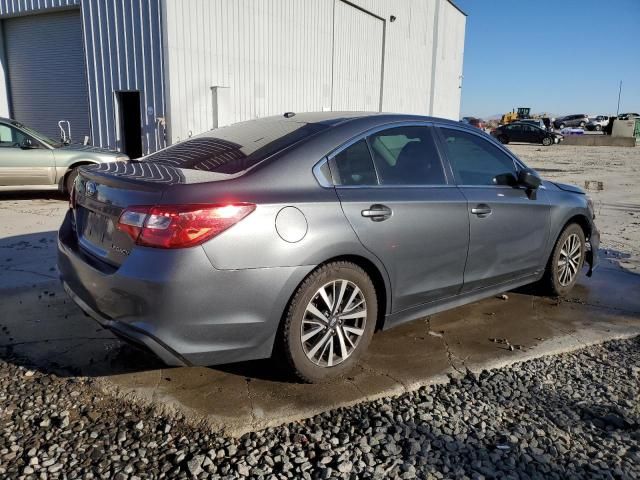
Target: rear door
<point>508,226</point>
<point>404,209</point>
<point>514,132</point>
<point>20,165</point>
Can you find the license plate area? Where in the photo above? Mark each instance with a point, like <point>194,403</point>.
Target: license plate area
<point>96,233</point>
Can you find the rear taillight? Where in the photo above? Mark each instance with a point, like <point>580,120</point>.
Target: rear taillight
<point>180,226</point>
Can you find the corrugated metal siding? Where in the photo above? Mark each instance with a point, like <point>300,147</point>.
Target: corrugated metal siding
<point>448,61</point>
<point>274,56</point>
<point>357,61</point>
<point>26,7</point>
<point>45,62</point>
<point>278,55</point>
<point>123,51</point>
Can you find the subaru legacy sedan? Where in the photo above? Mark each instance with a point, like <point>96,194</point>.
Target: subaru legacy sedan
<point>300,235</point>
<point>29,160</point>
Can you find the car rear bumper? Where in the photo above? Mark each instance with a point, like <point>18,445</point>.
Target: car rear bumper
<point>176,304</point>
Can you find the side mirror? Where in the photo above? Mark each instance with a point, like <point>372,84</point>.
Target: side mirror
<point>529,178</point>
<point>27,143</point>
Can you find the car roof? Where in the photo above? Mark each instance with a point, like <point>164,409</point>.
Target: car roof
<point>337,118</point>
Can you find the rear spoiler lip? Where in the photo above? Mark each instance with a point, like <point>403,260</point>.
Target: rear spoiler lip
<point>90,172</point>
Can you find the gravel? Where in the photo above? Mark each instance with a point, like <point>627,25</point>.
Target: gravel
<point>574,415</point>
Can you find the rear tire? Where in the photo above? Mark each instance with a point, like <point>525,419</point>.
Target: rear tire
<point>503,139</point>
<point>318,349</point>
<point>598,128</point>
<point>566,261</point>
<point>547,141</point>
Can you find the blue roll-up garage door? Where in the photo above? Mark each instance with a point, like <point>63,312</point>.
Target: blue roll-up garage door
<point>46,70</point>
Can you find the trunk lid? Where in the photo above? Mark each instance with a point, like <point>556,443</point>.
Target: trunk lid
<point>101,195</point>
<point>105,190</point>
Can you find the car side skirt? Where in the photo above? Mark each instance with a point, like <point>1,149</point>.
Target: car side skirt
<point>431,308</point>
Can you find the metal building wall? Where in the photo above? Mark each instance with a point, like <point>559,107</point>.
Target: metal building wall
<point>124,51</point>
<point>123,44</point>
<point>447,60</point>
<point>272,56</point>
<point>277,55</point>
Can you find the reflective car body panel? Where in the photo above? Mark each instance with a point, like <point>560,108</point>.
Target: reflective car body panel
<point>348,186</point>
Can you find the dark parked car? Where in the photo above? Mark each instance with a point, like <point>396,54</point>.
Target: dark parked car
<point>538,122</point>
<point>302,234</point>
<point>579,120</point>
<point>526,132</point>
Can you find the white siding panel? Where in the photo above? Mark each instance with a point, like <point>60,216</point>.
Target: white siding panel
<point>357,62</point>
<point>273,55</point>
<point>284,55</point>
<point>448,62</point>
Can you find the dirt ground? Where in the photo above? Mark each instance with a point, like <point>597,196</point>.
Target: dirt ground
<point>617,205</point>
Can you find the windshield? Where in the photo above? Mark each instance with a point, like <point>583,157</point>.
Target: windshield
<point>39,136</point>
<point>235,148</point>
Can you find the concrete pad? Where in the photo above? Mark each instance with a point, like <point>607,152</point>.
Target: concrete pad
<point>48,332</point>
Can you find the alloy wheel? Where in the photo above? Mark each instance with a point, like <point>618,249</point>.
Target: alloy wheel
<point>569,260</point>
<point>333,323</point>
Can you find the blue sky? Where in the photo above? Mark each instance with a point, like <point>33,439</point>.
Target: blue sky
<point>555,56</point>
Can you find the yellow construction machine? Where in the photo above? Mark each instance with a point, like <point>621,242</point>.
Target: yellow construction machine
<point>520,114</point>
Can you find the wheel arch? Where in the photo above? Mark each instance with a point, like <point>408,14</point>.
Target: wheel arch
<point>70,168</point>
<point>581,220</point>
<point>379,278</point>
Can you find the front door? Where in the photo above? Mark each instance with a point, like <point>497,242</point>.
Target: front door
<point>22,163</point>
<point>405,211</point>
<point>508,226</point>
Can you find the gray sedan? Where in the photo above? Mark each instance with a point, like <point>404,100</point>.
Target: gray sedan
<point>302,234</point>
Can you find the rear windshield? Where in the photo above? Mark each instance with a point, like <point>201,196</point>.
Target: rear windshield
<point>235,148</point>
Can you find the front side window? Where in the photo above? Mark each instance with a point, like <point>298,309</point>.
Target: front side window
<point>353,166</point>
<point>11,137</point>
<point>475,161</point>
<point>406,156</point>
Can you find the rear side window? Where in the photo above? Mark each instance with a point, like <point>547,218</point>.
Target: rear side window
<point>475,161</point>
<point>406,156</point>
<point>237,147</point>
<point>353,166</point>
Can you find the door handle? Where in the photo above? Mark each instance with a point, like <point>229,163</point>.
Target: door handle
<point>481,210</point>
<point>377,212</point>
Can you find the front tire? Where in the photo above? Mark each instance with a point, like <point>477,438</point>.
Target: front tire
<point>547,141</point>
<point>566,261</point>
<point>598,128</point>
<point>329,322</point>
<point>561,126</point>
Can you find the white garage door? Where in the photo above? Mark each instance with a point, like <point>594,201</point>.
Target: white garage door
<point>357,59</point>
<point>45,62</point>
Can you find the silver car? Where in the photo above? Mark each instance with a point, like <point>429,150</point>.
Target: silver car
<point>302,234</point>
<point>30,160</point>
